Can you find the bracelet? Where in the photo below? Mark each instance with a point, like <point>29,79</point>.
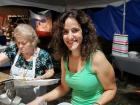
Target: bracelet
<point>96,103</point>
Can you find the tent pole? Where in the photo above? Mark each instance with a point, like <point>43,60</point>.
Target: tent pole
<point>124,14</point>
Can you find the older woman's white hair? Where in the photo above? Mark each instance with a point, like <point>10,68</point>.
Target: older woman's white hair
<point>26,31</point>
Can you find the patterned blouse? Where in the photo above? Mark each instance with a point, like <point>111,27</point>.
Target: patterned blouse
<point>43,61</point>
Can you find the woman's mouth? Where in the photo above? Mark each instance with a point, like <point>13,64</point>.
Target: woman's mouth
<point>71,43</point>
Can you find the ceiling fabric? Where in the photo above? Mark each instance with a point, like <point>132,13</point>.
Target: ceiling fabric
<point>62,5</point>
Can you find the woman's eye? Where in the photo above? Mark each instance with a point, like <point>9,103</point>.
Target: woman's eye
<point>23,43</point>
<point>75,30</point>
<point>65,32</point>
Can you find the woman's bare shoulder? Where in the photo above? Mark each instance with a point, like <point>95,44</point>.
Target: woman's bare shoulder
<point>98,56</point>
<point>100,62</point>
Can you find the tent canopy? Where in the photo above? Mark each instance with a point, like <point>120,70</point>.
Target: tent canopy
<point>113,21</point>
<point>61,5</point>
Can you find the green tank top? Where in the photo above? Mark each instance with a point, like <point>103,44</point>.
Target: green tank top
<point>86,88</point>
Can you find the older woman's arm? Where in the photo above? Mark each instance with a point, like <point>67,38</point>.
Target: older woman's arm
<point>48,74</point>
<point>3,59</point>
<point>106,76</point>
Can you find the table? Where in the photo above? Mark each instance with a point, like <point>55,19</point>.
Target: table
<point>127,64</point>
<point>4,77</point>
<point>33,88</point>
<point>45,82</point>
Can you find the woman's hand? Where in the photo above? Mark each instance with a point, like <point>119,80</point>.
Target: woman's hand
<point>37,101</point>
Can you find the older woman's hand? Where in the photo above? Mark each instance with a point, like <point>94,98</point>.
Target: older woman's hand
<point>39,77</point>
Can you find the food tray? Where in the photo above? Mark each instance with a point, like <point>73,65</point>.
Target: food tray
<point>45,82</point>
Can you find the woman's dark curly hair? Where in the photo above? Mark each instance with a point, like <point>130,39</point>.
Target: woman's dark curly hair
<point>89,43</point>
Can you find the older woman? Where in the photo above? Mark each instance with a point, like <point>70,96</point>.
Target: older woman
<point>27,60</point>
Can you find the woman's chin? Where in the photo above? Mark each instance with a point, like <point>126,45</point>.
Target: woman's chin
<point>23,52</point>
<point>72,48</point>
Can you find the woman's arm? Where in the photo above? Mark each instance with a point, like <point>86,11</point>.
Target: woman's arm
<point>58,92</point>
<point>3,59</point>
<point>106,76</point>
<point>8,54</point>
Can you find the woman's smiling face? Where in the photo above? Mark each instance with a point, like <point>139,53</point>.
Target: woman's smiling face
<point>72,34</point>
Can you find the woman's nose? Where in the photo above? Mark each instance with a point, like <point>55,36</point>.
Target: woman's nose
<point>20,46</point>
<point>70,35</point>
